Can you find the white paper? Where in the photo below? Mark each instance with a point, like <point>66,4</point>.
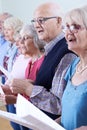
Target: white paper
<point>30,116</point>
<point>6,73</point>
<point>1,91</point>
<point>30,113</point>
<point>13,117</point>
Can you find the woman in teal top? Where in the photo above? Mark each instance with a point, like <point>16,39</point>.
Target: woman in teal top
<point>74,100</point>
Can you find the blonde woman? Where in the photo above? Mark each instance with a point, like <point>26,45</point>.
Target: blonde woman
<point>12,27</point>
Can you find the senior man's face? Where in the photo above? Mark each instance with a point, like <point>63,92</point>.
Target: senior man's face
<point>45,24</point>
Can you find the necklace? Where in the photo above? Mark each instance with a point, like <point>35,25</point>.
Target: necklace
<point>80,69</point>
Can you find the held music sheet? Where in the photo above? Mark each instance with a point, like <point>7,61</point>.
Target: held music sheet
<point>30,116</point>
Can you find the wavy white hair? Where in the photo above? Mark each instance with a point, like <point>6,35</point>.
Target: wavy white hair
<point>30,31</point>
<point>15,23</point>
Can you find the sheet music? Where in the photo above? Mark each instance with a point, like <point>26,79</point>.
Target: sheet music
<point>29,112</point>
<point>6,73</point>
<point>30,116</point>
<point>1,91</point>
<point>16,119</point>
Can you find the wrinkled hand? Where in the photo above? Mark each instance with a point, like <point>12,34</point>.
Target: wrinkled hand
<point>6,89</point>
<point>22,86</point>
<point>10,99</point>
<point>2,100</point>
<point>82,128</point>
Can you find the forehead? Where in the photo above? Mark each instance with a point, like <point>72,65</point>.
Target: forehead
<point>25,33</point>
<point>9,28</point>
<point>43,12</point>
<point>3,17</point>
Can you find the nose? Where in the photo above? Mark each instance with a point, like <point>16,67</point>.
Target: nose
<point>21,41</point>
<point>68,34</point>
<point>37,24</point>
<point>5,31</point>
<point>68,31</point>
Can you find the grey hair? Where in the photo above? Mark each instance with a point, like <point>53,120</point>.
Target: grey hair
<point>84,9</point>
<point>3,17</point>
<point>30,30</point>
<point>6,15</point>
<point>77,15</point>
<point>15,23</point>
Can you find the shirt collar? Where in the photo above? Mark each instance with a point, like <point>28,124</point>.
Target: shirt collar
<point>48,47</point>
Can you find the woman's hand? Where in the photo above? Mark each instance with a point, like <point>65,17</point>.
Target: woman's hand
<point>58,120</point>
<point>10,99</point>
<point>7,99</point>
<point>6,89</point>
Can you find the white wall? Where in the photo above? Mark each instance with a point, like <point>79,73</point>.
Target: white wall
<point>21,8</point>
<point>0,5</point>
<point>24,8</point>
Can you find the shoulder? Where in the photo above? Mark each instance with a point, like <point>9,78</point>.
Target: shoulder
<point>69,55</point>
<point>65,63</point>
<point>74,63</point>
<point>71,68</point>
<point>68,59</point>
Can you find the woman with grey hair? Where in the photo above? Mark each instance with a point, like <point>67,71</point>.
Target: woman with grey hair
<point>83,127</point>
<point>31,47</point>
<point>12,27</point>
<point>30,30</point>
<point>74,100</point>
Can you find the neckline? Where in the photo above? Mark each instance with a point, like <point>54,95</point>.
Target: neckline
<point>79,85</point>
<point>79,70</point>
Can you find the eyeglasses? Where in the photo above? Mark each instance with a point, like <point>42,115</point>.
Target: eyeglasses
<point>24,38</point>
<point>41,20</point>
<point>74,28</point>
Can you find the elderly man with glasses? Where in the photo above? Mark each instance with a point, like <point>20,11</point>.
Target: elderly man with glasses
<point>47,90</point>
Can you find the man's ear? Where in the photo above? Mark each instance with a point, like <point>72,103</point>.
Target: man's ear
<point>59,20</point>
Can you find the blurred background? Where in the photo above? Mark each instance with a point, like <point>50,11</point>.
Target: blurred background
<point>24,8</point>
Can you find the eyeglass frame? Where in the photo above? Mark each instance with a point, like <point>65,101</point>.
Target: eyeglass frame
<point>24,38</point>
<point>74,28</point>
<point>44,19</point>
